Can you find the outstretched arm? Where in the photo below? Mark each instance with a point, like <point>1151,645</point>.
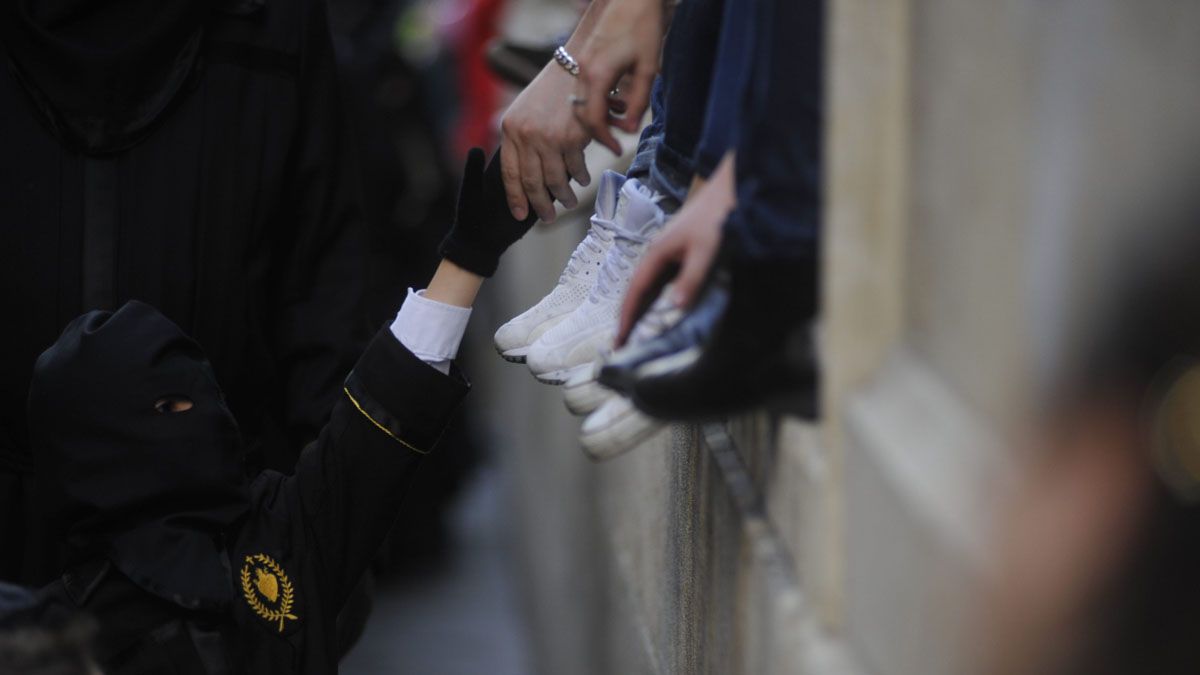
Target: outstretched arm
<point>349,484</point>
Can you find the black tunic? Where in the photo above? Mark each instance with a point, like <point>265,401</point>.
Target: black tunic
<point>235,216</point>
<point>307,539</point>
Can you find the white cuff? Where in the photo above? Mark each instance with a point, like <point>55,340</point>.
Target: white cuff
<point>431,330</point>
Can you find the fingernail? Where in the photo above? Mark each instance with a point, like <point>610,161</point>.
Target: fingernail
<point>519,213</point>
<point>679,297</point>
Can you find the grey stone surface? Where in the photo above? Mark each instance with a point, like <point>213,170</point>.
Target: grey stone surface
<point>463,618</point>
<point>972,174</point>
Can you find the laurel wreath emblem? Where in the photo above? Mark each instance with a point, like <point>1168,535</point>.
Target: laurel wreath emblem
<point>285,591</point>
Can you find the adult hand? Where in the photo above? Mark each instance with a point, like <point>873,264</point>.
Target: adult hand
<point>685,251</point>
<point>542,146</point>
<point>624,47</point>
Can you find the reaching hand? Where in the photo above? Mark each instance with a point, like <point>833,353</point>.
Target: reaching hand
<point>685,251</point>
<point>542,146</point>
<point>624,47</point>
<point>483,227</point>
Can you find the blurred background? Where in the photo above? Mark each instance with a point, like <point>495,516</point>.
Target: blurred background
<point>999,174</point>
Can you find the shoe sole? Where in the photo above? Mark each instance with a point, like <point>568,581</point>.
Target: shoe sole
<point>559,377</point>
<point>519,354</point>
<point>619,437</point>
<point>513,355</point>
<point>584,399</point>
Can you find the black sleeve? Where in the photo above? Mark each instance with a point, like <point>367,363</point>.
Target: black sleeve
<point>350,483</point>
<point>319,325</point>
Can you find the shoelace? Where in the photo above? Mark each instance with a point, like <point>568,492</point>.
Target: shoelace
<point>616,268</point>
<point>600,233</point>
<point>663,314</point>
<point>618,265</point>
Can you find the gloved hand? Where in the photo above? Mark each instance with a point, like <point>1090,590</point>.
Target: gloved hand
<point>483,226</point>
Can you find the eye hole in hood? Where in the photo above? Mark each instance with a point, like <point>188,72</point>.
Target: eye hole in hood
<point>138,459</point>
<point>173,403</point>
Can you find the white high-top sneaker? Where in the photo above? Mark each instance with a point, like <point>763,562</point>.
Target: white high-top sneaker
<point>582,393</point>
<point>576,341</point>
<point>576,281</point>
<point>614,426</point>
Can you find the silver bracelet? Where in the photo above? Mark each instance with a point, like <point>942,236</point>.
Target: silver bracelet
<point>567,61</point>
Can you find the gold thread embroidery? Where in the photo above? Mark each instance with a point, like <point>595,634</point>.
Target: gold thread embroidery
<point>382,428</point>
<point>272,584</point>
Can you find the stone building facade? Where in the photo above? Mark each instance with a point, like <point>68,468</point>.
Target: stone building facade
<point>976,153</point>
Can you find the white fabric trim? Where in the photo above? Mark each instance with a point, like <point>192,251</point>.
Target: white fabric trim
<point>431,330</point>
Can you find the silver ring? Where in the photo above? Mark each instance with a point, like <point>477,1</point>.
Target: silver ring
<point>576,100</point>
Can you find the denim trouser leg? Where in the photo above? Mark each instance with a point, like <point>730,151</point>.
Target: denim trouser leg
<point>731,71</point>
<point>779,148</point>
<point>688,58</point>
<point>651,136</point>
<point>650,144</point>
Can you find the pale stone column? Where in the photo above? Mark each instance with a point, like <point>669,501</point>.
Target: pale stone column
<point>977,153</point>
<point>980,158</point>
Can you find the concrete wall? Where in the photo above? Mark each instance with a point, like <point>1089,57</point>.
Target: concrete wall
<point>976,152</point>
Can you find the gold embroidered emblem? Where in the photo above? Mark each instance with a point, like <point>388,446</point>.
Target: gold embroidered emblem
<point>269,592</point>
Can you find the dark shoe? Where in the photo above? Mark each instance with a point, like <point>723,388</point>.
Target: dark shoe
<point>619,370</point>
<point>518,64</point>
<point>758,353</point>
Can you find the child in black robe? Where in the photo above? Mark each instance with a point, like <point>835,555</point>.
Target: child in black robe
<point>189,567</point>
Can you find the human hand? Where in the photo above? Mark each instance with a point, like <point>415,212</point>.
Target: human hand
<point>483,226</point>
<point>624,47</point>
<point>542,146</point>
<point>685,251</point>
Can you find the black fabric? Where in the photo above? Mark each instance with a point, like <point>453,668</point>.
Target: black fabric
<point>236,216</point>
<point>319,529</point>
<point>402,410</point>
<point>27,611</point>
<point>754,350</point>
<point>99,232</point>
<point>151,490</point>
<point>483,228</point>
<point>15,602</point>
<point>142,633</point>
<point>101,74</point>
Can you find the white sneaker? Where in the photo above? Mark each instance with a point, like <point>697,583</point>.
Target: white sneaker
<point>576,281</point>
<point>572,344</point>
<point>582,393</point>
<point>616,428</point>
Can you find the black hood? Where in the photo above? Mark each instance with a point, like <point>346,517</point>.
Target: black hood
<point>152,491</point>
<point>102,72</point>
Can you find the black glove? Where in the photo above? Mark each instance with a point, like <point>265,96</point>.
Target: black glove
<point>483,226</point>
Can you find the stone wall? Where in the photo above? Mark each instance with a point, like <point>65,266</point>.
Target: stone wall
<point>977,152</point>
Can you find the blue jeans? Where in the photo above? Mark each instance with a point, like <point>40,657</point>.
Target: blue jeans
<point>648,164</point>
<point>651,138</point>
<point>779,142</point>
<point>707,58</point>
<point>731,72</point>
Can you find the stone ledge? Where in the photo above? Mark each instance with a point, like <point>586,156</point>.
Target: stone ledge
<point>921,474</point>
<point>709,581</point>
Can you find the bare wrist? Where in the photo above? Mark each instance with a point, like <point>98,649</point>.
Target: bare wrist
<point>453,285</point>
